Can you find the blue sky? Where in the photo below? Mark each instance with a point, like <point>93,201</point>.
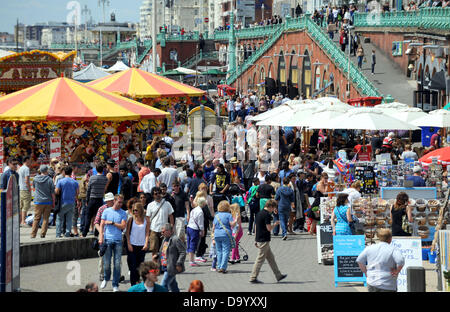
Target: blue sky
<point>36,11</point>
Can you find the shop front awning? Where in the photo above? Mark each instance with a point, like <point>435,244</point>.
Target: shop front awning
<point>438,81</point>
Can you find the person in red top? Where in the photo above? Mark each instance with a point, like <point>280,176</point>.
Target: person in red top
<point>388,142</point>
<point>435,141</point>
<point>143,171</point>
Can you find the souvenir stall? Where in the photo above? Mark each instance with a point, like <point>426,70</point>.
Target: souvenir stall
<point>157,91</point>
<point>66,118</point>
<point>22,70</point>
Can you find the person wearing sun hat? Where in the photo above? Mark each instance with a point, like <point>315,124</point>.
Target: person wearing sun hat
<point>236,171</point>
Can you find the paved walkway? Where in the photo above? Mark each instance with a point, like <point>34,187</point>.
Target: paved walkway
<point>388,78</point>
<point>296,257</point>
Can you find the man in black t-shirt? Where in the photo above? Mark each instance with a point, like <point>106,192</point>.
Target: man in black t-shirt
<point>192,186</point>
<point>221,180</point>
<point>265,192</point>
<point>181,208</point>
<point>262,242</point>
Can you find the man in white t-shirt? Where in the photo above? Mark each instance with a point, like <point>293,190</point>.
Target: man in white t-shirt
<point>168,175</point>
<point>159,212</point>
<point>25,189</point>
<point>149,181</point>
<point>168,139</point>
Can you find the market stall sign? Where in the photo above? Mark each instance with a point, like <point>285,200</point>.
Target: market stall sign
<point>115,151</point>
<point>346,249</point>
<point>55,147</point>
<point>411,249</point>
<point>21,70</point>
<point>325,243</point>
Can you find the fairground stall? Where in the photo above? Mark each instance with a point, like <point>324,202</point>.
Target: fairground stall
<point>22,70</point>
<point>68,119</point>
<point>156,91</point>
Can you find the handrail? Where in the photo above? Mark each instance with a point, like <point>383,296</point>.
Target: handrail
<point>148,47</point>
<point>427,18</point>
<point>203,56</point>
<point>327,45</point>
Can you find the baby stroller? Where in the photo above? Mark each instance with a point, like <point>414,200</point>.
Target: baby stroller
<point>241,249</point>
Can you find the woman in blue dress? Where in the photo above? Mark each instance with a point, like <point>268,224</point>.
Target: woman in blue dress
<point>342,213</point>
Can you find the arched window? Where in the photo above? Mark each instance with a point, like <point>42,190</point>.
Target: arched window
<point>306,76</point>
<point>270,74</point>
<point>317,79</point>
<point>293,71</point>
<point>282,69</point>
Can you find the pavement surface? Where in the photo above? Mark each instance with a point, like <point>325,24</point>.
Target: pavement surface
<point>296,257</point>
<point>388,78</point>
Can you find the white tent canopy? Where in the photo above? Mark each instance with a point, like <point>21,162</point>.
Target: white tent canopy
<point>91,72</point>
<point>119,66</point>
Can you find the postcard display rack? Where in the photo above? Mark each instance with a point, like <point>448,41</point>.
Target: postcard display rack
<point>374,213</point>
<point>389,175</point>
<point>434,178</point>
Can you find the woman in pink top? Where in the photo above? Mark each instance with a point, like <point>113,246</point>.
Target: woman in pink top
<point>237,232</point>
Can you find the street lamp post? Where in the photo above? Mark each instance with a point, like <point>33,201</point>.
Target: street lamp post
<point>102,3</point>
<point>262,13</point>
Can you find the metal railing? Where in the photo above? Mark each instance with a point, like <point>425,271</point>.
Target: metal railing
<point>212,55</point>
<point>427,18</point>
<point>319,37</point>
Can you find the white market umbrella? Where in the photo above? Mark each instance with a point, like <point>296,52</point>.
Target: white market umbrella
<point>119,66</point>
<point>409,114</point>
<point>392,107</point>
<point>321,117</point>
<point>367,118</point>
<point>296,117</point>
<point>288,106</point>
<point>438,118</point>
<point>274,112</point>
<point>332,101</point>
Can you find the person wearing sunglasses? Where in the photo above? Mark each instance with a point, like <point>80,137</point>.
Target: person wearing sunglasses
<point>159,212</point>
<point>137,240</point>
<point>12,165</point>
<point>149,272</point>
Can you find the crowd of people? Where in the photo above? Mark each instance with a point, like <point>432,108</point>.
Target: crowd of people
<point>180,209</point>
